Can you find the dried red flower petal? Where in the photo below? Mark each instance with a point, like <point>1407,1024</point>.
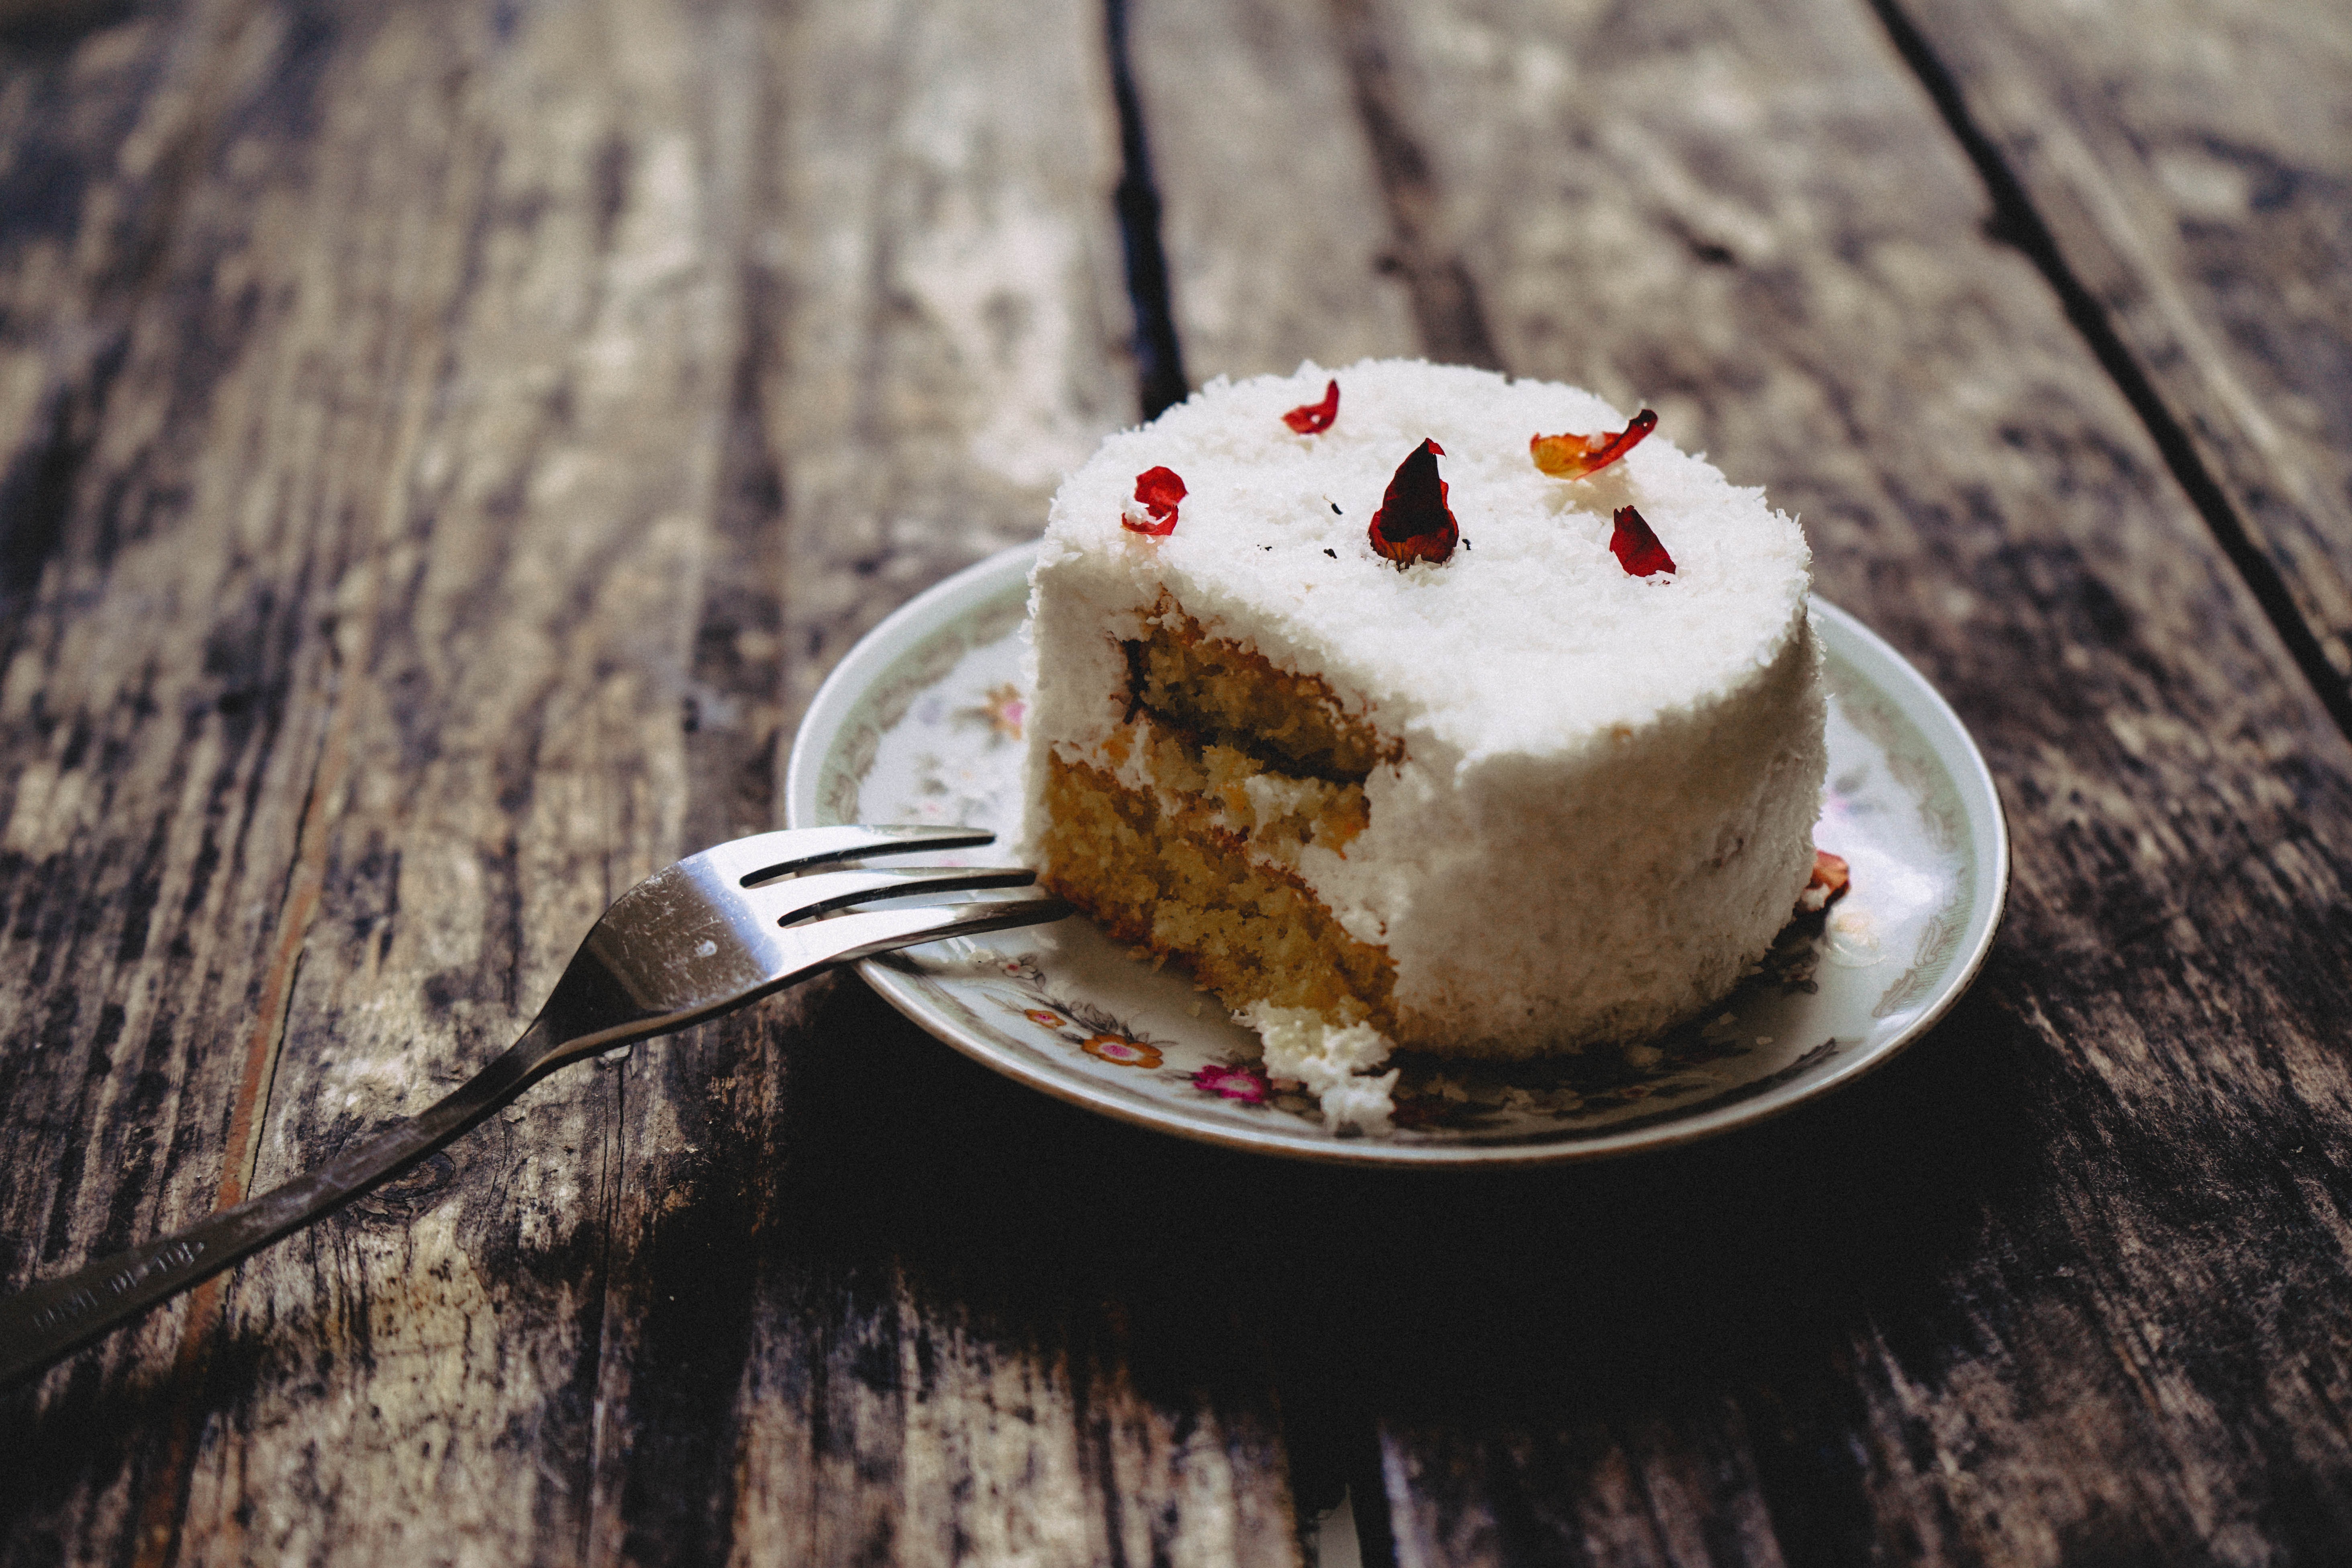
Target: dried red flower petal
<point>1636,548</point>
<point>1580,457</point>
<point>1314,418</point>
<point>1414,524</point>
<point>1831,880</point>
<point>1153,509</point>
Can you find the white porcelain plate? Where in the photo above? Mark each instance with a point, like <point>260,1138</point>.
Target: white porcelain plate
<point>921,723</point>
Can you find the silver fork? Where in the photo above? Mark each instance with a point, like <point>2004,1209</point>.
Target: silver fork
<point>704,937</point>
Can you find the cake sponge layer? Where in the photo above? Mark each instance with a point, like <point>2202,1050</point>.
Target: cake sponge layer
<point>1250,932</point>
<point>1234,693</point>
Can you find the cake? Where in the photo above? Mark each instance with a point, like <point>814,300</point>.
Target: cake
<point>1399,740</point>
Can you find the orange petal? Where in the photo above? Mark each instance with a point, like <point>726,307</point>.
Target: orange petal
<point>1581,456</point>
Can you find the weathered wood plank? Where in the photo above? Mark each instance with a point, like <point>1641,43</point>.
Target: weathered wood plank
<point>387,550</point>
<point>69,101</point>
<point>573,384</point>
<point>419,559</point>
<point>953,329</point>
<point>1766,234</point>
<point>1045,1360</point>
<point>161,705</point>
<point>938,331</point>
<point>2193,165</point>
<point>2008,1302</point>
<point>1248,107</point>
<point>518,759</point>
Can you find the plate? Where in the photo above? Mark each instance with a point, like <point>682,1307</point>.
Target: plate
<point>921,722</point>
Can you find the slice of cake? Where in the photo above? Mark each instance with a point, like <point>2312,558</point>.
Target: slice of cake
<point>1395,737</point>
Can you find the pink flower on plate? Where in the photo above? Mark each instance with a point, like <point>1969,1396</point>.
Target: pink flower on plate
<point>1038,1015</point>
<point>1245,1084</point>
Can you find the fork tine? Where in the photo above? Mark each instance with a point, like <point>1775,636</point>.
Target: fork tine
<point>819,892</point>
<point>766,854</point>
<point>846,938</point>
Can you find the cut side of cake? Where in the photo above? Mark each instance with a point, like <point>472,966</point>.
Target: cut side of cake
<point>1504,801</point>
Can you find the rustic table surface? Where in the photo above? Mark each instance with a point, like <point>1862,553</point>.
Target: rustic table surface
<point>443,443</point>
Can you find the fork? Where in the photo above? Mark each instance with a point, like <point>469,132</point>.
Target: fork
<point>703,937</point>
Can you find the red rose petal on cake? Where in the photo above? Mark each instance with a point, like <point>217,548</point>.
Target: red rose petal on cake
<point>1636,548</point>
<point>1153,510</point>
<point>1581,456</point>
<point>1413,522</point>
<point>1314,418</point>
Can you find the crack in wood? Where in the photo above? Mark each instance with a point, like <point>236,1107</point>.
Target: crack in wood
<point>1445,306</point>
<point>1159,352</point>
<point>910,1354</point>
<point>2017,222</point>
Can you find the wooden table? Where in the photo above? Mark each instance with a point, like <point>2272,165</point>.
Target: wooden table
<point>443,443</point>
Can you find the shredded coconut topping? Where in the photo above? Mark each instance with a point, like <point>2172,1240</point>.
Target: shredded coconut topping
<point>1330,1061</point>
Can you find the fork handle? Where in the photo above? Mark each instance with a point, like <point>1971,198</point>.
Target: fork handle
<point>58,1317</point>
<point>48,1321</point>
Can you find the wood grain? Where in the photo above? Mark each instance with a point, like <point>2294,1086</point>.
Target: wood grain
<point>2193,166</point>
<point>951,330</point>
<point>2004,1304</point>
<point>933,329</point>
<point>442,446</point>
<point>1248,106</point>
<point>498,419</point>
<point>401,577</point>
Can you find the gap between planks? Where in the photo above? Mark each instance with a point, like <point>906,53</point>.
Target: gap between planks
<point>2016,221</point>
<point>1158,351</point>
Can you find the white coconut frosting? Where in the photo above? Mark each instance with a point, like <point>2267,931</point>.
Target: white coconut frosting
<point>1602,810</point>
